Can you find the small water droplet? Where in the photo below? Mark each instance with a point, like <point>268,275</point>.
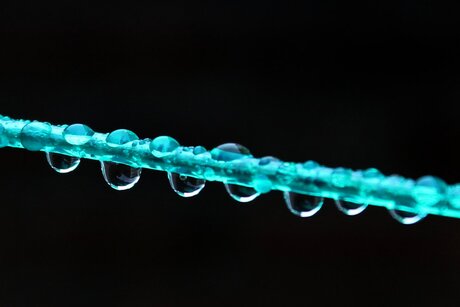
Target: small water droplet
<point>429,190</point>
<point>77,134</point>
<point>120,137</point>
<point>198,150</point>
<point>406,218</point>
<point>120,176</point>
<point>62,163</point>
<point>310,165</point>
<point>230,152</point>
<point>350,208</point>
<point>33,135</point>
<point>3,138</point>
<point>262,184</point>
<point>185,186</point>
<point>163,146</point>
<point>303,205</point>
<point>267,160</point>
<point>341,177</point>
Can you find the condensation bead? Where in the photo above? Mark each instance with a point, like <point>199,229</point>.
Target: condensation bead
<point>34,135</point>
<point>78,134</point>
<point>163,146</point>
<point>120,137</point>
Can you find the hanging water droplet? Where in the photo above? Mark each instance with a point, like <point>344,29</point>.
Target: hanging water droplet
<point>184,185</point>
<point>62,163</point>
<point>120,176</point>
<point>241,193</point>
<point>34,135</point>
<point>77,134</point>
<point>405,217</point>
<point>230,152</point>
<point>163,146</point>
<point>350,208</point>
<point>303,205</point>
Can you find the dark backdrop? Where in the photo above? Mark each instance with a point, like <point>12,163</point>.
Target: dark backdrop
<point>352,84</point>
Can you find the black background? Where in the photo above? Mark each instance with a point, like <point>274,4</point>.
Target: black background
<point>355,84</point>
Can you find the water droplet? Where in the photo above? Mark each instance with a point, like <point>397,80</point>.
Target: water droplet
<point>120,137</point>
<point>310,165</point>
<point>405,217</point>
<point>120,176</point>
<point>241,193</point>
<point>303,205</point>
<point>350,208</point>
<point>199,150</point>
<point>230,152</point>
<point>3,138</point>
<point>429,190</point>
<point>341,177</point>
<point>163,146</point>
<point>62,163</point>
<point>267,160</point>
<point>185,186</point>
<point>209,173</point>
<point>77,134</point>
<point>33,135</point>
<point>262,184</point>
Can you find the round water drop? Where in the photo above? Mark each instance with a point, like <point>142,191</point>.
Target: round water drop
<point>429,190</point>
<point>33,135</point>
<point>62,163</point>
<point>163,146</point>
<point>241,193</point>
<point>199,150</point>
<point>262,184</point>
<point>229,152</point>
<point>78,134</point>
<point>267,160</point>
<point>406,218</point>
<point>350,208</point>
<point>120,176</point>
<point>120,137</point>
<point>3,139</point>
<point>185,186</point>
<point>303,205</point>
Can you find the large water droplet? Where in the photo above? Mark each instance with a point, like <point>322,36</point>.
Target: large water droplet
<point>163,146</point>
<point>34,135</point>
<point>77,134</point>
<point>405,217</point>
<point>241,193</point>
<point>3,138</point>
<point>230,152</point>
<point>120,176</point>
<point>303,205</point>
<point>350,208</point>
<point>120,137</point>
<point>62,163</point>
<point>185,186</point>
